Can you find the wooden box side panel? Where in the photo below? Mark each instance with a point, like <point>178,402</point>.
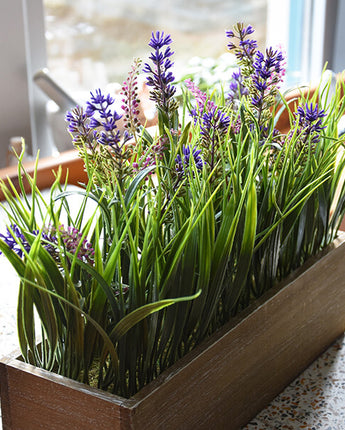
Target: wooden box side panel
<point>236,377</point>
<point>31,399</point>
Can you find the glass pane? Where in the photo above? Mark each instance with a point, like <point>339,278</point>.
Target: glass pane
<point>92,42</point>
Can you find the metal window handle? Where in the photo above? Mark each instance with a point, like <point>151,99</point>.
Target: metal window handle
<point>53,90</point>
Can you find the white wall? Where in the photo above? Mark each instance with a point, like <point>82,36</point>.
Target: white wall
<point>14,99</point>
<point>22,47</point>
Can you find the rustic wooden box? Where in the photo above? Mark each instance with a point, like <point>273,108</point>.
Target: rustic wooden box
<point>220,385</point>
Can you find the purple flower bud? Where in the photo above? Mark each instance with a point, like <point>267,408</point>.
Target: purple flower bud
<point>309,120</point>
<point>265,78</point>
<point>183,163</point>
<point>246,47</point>
<point>158,40</point>
<point>237,88</point>
<point>15,239</point>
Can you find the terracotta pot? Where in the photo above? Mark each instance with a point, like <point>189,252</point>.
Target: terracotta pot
<point>222,384</point>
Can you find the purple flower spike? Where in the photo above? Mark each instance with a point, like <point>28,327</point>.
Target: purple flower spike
<point>244,49</point>
<point>158,40</point>
<point>230,34</point>
<point>214,126</point>
<point>12,239</point>
<point>97,102</point>
<point>183,163</point>
<point>267,73</point>
<point>107,119</point>
<point>71,238</point>
<point>84,125</point>
<point>310,121</point>
<point>310,114</point>
<point>160,77</point>
<point>237,89</point>
<point>267,68</point>
<point>247,31</point>
<point>78,126</point>
<point>214,121</point>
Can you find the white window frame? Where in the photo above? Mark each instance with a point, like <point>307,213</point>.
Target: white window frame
<point>313,35</point>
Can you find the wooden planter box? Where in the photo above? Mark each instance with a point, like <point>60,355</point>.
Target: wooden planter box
<point>220,385</point>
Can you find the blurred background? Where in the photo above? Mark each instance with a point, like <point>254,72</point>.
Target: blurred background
<point>93,42</point>
<point>54,52</point>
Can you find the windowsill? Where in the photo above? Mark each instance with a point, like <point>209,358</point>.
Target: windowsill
<point>71,166</point>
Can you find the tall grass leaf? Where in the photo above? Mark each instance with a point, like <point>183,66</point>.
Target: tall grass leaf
<point>135,183</point>
<point>141,313</point>
<point>102,283</point>
<point>109,345</point>
<point>114,251</point>
<point>247,247</point>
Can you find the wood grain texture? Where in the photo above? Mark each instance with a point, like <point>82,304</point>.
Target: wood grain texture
<point>35,399</point>
<point>222,384</point>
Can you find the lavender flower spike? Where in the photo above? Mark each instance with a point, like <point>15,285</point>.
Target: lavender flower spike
<point>15,239</point>
<point>182,164</point>
<point>244,49</point>
<point>214,122</point>
<point>100,104</point>
<point>310,115</point>
<point>84,124</point>
<point>236,88</point>
<point>266,76</point>
<point>71,238</point>
<point>78,126</point>
<point>161,77</point>
<point>213,129</point>
<point>159,40</point>
<point>310,121</point>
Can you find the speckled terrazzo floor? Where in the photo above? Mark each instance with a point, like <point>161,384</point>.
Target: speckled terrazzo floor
<point>315,400</point>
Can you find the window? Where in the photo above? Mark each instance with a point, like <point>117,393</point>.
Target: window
<point>91,43</point>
